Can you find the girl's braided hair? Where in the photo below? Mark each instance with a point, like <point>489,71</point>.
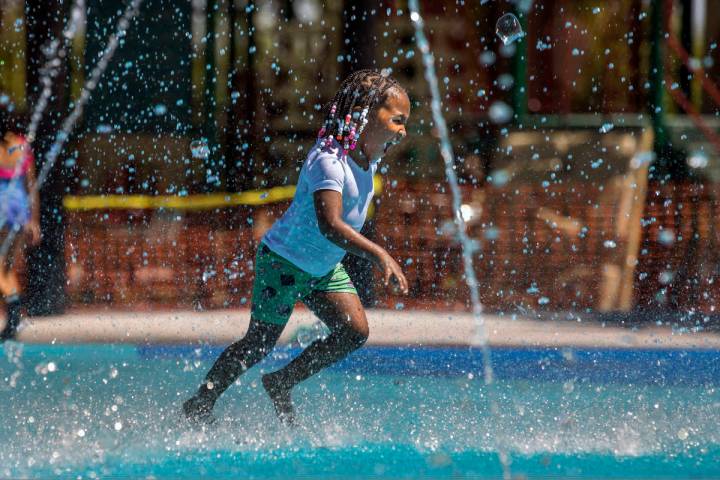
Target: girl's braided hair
<point>359,94</point>
<point>10,122</point>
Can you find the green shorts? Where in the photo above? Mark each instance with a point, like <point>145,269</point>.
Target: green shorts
<point>279,284</point>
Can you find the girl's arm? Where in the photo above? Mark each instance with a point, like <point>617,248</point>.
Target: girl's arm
<point>34,225</point>
<point>328,208</point>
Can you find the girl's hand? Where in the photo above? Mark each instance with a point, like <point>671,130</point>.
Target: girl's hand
<point>32,229</point>
<point>392,271</point>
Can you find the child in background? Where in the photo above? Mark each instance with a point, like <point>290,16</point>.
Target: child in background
<point>299,257</point>
<point>19,210</point>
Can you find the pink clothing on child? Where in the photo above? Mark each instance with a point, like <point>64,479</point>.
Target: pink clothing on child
<point>27,160</point>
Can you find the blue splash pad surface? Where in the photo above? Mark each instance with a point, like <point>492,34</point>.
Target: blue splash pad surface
<point>112,410</point>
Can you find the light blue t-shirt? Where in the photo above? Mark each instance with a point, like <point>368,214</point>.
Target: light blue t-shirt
<point>296,235</point>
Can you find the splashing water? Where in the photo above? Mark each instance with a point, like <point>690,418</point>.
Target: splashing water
<point>90,85</point>
<point>375,420</point>
<point>508,28</point>
<point>466,243</point>
<point>69,122</point>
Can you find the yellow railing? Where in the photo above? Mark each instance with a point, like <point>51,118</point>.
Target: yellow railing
<point>188,202</point>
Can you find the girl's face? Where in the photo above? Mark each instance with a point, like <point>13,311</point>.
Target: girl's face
<point>387,126</point>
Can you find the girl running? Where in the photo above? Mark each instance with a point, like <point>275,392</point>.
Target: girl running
<point>299,257</point>
<point>19,210</point>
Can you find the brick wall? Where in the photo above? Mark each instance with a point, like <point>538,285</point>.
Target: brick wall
<point>538,249</point>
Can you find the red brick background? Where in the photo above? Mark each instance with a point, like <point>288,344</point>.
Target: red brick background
<point>156,259</point>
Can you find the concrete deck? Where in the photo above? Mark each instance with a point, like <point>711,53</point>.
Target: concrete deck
<point>387,327</point>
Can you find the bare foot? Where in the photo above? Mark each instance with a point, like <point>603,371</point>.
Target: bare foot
<point>280,397</point>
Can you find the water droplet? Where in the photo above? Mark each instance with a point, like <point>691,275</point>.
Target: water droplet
<point>508,28</point>
<point>683,434</point>
<point>160,109</point>
<point>642,158</point>
<point>81,433</point>
<point>51,367</point>
<point>207,275</point>
<point>118,426</point>
<point>606,127</point>
<point>199,148</point>
<point>499,177</point>
<point>487,58</point>
<point>666,237</point>
<point>543,301</point>
<point>467,212</point>
<point>666,277</point>
<point>609,244</point>
<point>505,81</point>
<point>500,112</point>
<point>492,233</point>
<point>697,159</point>
<point>448,228</point>
<point>542,46</point>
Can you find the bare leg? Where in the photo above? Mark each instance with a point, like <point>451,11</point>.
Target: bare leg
<point>233,362</point>
<point>344,315</point>
<point>10,289</point>
<point>8,279</point>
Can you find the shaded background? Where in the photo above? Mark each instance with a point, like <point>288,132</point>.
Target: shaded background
<point>587,151</point>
